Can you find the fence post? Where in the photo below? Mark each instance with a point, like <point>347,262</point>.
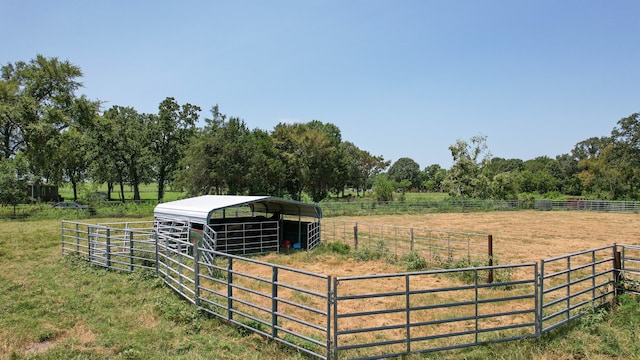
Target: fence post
<point>335,318</point>
<point>274,302</point>
<point>490,246</point>
<point>568,310</point>
<point>155,236</point>
<point>89,243</point>
<point>62,236</point>
<point>355,237</point>
<point>329,303</point>
<point>407,312</point>
<point>230,289</point>
<point>77,239</point>
<point>618,285</point>
<point>196,272</point>
<point>411,239</point>
<point>537,300</point>
<point>108,248</point>
<point>131,250</point>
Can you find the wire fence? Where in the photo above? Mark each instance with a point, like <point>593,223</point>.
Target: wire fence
<point>372,316</point>
<point>441,248</point>
<point>355,208</point>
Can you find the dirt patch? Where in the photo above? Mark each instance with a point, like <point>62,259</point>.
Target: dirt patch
<point>37,348</point>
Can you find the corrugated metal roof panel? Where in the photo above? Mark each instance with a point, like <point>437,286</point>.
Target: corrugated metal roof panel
<point>199,209</point>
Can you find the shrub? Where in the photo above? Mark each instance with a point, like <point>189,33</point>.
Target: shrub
<point>414,262</point>
<point>367,253</point>
<point>337,247</point>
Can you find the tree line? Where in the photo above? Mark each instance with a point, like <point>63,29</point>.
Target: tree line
<point>50,134</point>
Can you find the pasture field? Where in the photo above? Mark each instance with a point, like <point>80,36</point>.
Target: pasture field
<point>147,192</point>
<point>525,236</point>
<point>53,307</point>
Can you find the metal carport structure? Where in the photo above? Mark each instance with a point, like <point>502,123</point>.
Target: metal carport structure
<point>266,214</point>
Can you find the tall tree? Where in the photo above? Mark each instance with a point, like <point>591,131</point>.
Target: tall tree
<point>405,169</point>
<point>383,188</point>
<point>199,170</point>
<point>266,171</point>
<point>170,132</point>
<point>38,103</point>
<point>235,142</point>
<point>14,175</point>
<point>430,179</point>
<point>626,152</point>
<point>331,168</point>
<point>128,133</point>
<point>73,158</point>
<point>468,159</point>
<point>10,136</point>
<point>288,140</point>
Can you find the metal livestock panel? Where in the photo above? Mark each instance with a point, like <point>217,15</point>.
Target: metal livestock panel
<point>572,284</point>
<point>432,311</point>
<point>288,305</point>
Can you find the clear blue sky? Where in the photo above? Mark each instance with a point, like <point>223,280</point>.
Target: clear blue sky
<point>399,78</point>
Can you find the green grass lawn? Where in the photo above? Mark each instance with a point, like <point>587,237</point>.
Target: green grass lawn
<point>55,307</point>
<point>147,192</point>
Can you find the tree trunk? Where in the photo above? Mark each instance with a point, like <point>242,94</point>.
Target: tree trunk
<point>74,184</point>
<point>121,182</point>
<point>136,185</point>
<point>109,188</point>
<point>161,179</point>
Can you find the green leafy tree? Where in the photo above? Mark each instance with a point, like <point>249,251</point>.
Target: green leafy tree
<point>504,186</point>
<point>38,103</point>
<point>568,165</point>
<point>405,169</point>
<point>625,155</point>
<point>499,165</point>
<point>601,175</point>
<point>468,159</point>
<point>430,179</point>
<point>328,168</point>
<point>288,140</point>
<point>106,166</point>
<point>73,158</point>
<point>546,175</point>
<point>10,135</point>
<point>14,175</point>
<point>197,174</point>
<point>383,188</point>
<point>170,133</point>
<point>235,143</point>
<point>266,171</point>
<point>227,157</point>
<point>361,166</point>
<point>127,132</point>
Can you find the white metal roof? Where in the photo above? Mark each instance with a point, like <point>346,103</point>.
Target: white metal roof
<point>199,209</point>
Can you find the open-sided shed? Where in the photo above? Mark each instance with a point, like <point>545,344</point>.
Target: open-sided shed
<point>247,224</point>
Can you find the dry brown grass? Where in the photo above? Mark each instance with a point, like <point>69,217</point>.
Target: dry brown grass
<point>519,237</point>
<point>527,236</point>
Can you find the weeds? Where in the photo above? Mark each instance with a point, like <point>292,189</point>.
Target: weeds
<point>369,253</point>
<point>414,262</point>
<point>337,248</point>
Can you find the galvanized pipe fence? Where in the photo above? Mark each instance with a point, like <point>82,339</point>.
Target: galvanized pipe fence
<point>372,316</point>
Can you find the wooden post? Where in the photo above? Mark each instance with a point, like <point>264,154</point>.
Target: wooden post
<point>618,276</point>
<point>490,246</point>
<point>355,237</point>
<point>411,239</point>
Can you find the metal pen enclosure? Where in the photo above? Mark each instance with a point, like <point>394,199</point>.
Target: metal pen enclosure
<point>334,317</point>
